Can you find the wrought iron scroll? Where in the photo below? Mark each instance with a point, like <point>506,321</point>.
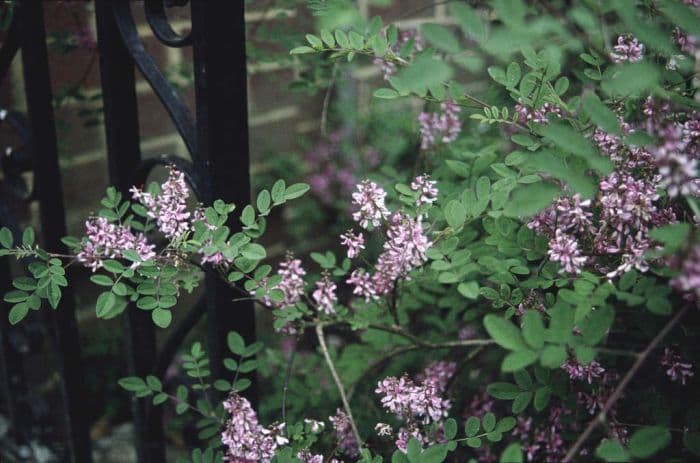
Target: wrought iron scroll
<point>179,113</point>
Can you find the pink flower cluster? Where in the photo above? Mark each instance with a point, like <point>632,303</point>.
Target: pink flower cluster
<point>417,403</point>
<point>354,243</point>
<point>369,199</point>
<point>578,372</point>
<point>107,240</point>
<point>343,432</point>
<point>405,245</point>
<point>324,295</point>
<point>428,193</point>
<point>627,49</point>
<point>292,284</point>
<point>388,68</point>
<point>333,168</point>
<point>676,369</point>
<point>544,443</point>
<point>440,127</point>
<point>688,279</point>
<point>169,208</point>
<point>538,116</point>
<point>246,440</point>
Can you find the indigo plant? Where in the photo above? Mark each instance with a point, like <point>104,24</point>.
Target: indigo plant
<point>525,290</point>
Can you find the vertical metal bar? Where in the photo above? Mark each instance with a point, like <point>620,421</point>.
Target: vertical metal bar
<point>218,30</point>
<point>32,42</point>
<point>124,155</point>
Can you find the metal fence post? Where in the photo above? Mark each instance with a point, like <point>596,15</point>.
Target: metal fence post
<point>218,30</point>
<point>32,42</point>
<point>124,156</point>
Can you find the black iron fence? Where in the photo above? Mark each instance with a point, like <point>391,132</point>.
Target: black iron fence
<point>217,140</point>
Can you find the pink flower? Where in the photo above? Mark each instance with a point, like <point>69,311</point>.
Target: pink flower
<point>169,207</point>
<point>107,240</point>
<point>676,370</point>
<point>369,198</point>
<point>343,432</point>
<point>324,295</point>
<point>443,127</point>
<point>688,280</point>
<point>292,284</point>
<point>627,49</point>
<point>363,285</point>
<point>246,440</point>
<point>580,372</point>
<point>426,188</point>
<point>354,243</point>
<point>564,249</point>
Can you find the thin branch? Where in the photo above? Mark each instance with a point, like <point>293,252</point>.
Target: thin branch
<point>338,382</point>
<point>617,393</point>
<point>285,388</point>
<point>327,100</point>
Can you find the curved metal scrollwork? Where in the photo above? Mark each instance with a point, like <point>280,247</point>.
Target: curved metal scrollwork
<point>158,20</point>
<point>179,113</point>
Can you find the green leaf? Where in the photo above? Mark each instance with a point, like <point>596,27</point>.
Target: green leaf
<point>672,236</point>
<point>15,296</point>
<point>105,303</point>
<point>263,201</point>
<point>328,38</point>
<point>474,442</point>
<point>296,190</point>
<point>681,15</point>
<point>102,280</point>
<point>527,200</point>
<point>441,37</point>
<point>471,426</point>
<point>469,289</point>
<point>611,450</point>
<point>455,214</point>
<point>132,384</point>
<point>506,334</point>
<point>468,19</point>
<point>553,356</point>
<point>506,424</point>
<point>5,238</point>
<point>506,391</point>
<point>386,93</point>
<point>314,41</point>
<point>53,294</point>
<point>235,343</point>
<point>633,79</point>
<point>488,422</point>
<point>277,192</point>
<point>542,396</point>
<point>248,216</point>
<point>253,251</point>
<point>450,428</point>
<point>521,401</point>
<point>533,329</point>
<point>518,359</point>
<point>28,237</point>
<point>569,140</point>
<point>512,454</point>
<point>596,325</point>
<point>18,312</point>
<point>161,317</point>
<point>603,116</point>
<point>648,441</point>
<point>423,72</point>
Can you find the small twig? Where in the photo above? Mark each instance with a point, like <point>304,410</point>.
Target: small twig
<point>338,382</point>
<point>327,100</point>
<point>617,393</point>
<point>285,388</point>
